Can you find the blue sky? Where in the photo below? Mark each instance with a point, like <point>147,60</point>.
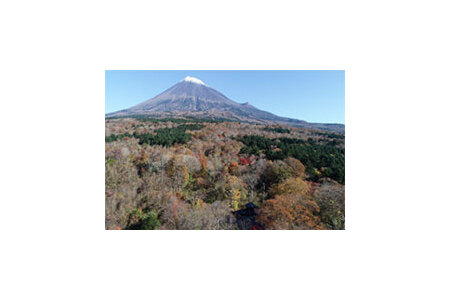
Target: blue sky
<point>313,96</point>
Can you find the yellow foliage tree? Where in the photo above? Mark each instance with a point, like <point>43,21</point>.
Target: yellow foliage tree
<point>178,172</point>
<point>295,186</point>
<point>233,190</point>
<point>235,196</point>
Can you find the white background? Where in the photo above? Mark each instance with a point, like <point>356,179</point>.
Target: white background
<point>53,58</point>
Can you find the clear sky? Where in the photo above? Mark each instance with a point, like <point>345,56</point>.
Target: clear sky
<point>313,96</point>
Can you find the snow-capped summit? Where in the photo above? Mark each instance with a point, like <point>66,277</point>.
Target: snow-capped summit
<point>194,80</point>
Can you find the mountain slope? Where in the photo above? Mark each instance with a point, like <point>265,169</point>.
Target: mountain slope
<point>192,97</point>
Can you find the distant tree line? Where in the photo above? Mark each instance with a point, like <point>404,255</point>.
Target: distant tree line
<point>165,137</point>
<point>114,137</point>
<point>331,135</point>
<point>183,120</point>
<point>277,129</point>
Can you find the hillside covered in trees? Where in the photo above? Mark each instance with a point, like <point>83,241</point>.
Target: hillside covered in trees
<point>187,173</point>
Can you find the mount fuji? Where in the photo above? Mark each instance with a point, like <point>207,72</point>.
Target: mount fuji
<point>192,97</point>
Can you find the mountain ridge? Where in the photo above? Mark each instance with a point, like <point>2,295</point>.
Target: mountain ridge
<point>192,97</point>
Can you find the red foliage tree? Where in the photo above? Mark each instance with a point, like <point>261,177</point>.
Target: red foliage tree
<point>244,161</point>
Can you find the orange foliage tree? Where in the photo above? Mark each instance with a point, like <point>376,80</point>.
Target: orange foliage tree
<point>232,167</point>
<point>289,212</point>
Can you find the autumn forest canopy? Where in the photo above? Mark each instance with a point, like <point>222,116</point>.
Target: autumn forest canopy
<point>187,173</point>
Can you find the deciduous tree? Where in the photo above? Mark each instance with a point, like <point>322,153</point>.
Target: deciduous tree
<point>289,212</point>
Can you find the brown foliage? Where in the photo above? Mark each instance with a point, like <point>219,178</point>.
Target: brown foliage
<point>122,182</point>
<point>330,197</point>
<point>297,168</point>
<point>203,162</point>
<point>180,215</point>
<point>198,185</point>
<point>289,212</point>
<point>233,167</point>
<point>276,172</point>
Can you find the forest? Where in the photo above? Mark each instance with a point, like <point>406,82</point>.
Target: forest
<point>186,173</point>
<point>320,160</point>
